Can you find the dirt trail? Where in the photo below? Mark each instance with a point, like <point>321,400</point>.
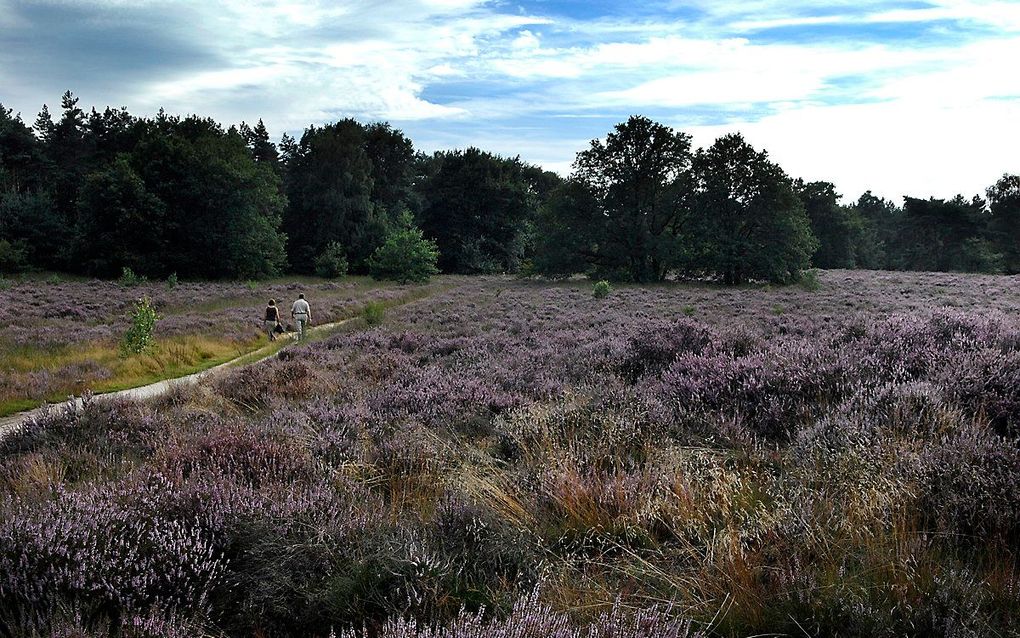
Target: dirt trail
<point>11,424</point>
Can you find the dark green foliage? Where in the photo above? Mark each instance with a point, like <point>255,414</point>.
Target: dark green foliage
<point>1004,226</point>
<point>832,225</point>
<point>95,191</point>
<point>875,223</point>
<point>601,289</point>
<point>118,223</point>
<point>66,152</point>
<point>30,220</point>
<point>99,192</point>
<point>565,243</point>
<point>332,262</point>
<point>262,150</point>
<point>13,257</point>
<point>935,234</point>
<point>222,209</point>
<point>20,159</point>
<point>342,180</point>
<point>329,189</point>
<point>393,160</point>
<point>749,222</point>
<point>622,215</point>
<point>406,256</point>
<point>479,208</point>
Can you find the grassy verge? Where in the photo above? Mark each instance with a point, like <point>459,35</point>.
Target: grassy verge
<point>100,367</point>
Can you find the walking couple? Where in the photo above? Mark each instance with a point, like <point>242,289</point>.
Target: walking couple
<point>300,312</point>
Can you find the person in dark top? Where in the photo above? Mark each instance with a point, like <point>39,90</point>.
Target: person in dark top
<point>272,319</point>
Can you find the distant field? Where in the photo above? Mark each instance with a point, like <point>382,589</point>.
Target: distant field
<point>62,338</point>
<point>673,460</point>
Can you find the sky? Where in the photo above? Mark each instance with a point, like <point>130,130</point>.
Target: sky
<point>918,98</point>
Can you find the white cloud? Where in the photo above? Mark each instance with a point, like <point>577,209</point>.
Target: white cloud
<point>892,148</point>
<point>429,64</point>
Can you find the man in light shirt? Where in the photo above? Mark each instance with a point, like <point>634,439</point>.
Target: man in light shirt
<point>302,314</point>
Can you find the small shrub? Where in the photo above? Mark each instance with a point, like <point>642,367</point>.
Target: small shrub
<point>527,270</point>
<point>809,280</point>
<point>171,281</point>
<point>688,311</point>
<point>54,279</point>
<point>252,285</point>
<point>601,289</point>
<point>373,313</point>
<point>332,263</point>
<point>406,256</point>
<point>143,321</point>
<point>128,278</point>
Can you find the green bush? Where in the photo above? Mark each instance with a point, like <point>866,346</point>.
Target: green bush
<point>171,281</point>
<point>128,278</point>
<point>601,289</point>
<point>138,338</point>
<point>527,270</point>
<point>13,256</point>
<point>332,263</point>
<point>373,313</point>
<point>406,256</point>
<point>809,280</point>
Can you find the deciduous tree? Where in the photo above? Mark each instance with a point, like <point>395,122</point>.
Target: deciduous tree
<point>750,222</point>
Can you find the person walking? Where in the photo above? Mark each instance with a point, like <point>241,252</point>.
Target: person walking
<point>302,315</point>
<point>272,320</point>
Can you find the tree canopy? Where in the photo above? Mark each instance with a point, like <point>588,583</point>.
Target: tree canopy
<point>94,192</point>
<point>749,222</point>
<point>479,208</point>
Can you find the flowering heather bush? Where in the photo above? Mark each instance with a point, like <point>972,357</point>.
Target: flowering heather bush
<point>88,549</point>
<point>531,619</point>
<point>510,458</point>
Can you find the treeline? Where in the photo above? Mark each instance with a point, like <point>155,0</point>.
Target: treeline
<point>96,192</point>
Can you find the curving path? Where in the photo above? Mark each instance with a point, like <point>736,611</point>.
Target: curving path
<point>10,424</point>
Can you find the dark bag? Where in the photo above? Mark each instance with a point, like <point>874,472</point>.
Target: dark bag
<point>278,329</point>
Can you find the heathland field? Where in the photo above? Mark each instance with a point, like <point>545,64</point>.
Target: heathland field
<point>520,459</point>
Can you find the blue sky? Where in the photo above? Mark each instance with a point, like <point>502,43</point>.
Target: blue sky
<point>904,98</point>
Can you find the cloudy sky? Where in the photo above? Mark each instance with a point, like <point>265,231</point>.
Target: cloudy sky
<point>912,97</point>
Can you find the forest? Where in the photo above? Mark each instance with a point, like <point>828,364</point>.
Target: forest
<point>97,192</point>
